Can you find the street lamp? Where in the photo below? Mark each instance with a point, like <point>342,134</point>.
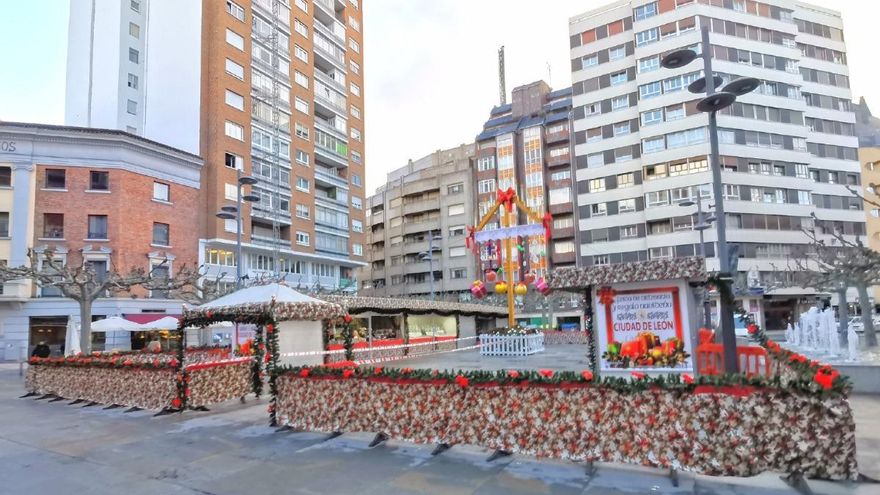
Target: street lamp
<point>703,222</point>
<point>429,256</point>
<point>711,104</point>
<point>228,212</point>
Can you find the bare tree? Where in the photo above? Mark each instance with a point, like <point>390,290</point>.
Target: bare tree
<point>82,283</point>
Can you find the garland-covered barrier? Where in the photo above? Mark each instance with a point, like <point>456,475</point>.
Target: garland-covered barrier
<point>724,425</point>
<point>214,382</point>
<point>555,337</point>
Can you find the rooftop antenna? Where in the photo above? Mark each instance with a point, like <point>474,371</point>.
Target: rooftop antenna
<point>502,90</point>
<point>549,75</point>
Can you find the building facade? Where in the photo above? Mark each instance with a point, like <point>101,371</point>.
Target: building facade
<point>102,197</point>
<point>271,89</point>
<point>868,131</point>
<point>417,226</point>
<point>788,149</point>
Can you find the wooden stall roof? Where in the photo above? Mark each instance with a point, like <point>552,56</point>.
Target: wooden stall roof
<point>692,269</point>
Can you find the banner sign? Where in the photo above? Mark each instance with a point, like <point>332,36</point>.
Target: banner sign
<point>509,232</point>
<point>642,329</point>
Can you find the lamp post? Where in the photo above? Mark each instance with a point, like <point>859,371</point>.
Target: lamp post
<point>711,104</point>
<point>429,255</point>
<point>228,212</point>
<point>702,224</point>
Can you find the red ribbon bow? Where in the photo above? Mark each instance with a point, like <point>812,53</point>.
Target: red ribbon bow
<point>506,198</point>
<point>606,296</point>
<point>470,241</point>
<point>548,221</point>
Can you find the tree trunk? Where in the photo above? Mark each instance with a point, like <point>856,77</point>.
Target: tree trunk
<point>85,326</point>
<point>843,316</point>
<point>867,313</point>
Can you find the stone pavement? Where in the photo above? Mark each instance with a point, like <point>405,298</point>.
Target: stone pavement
<point>52,448</point>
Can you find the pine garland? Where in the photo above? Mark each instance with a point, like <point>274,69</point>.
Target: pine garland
<point>259,351</point>
<point>272,367</point>
<point>588,325</point>
<point>347,338</point>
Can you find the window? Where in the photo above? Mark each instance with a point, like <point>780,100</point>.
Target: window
<point>5,176</point>
<point>302,5</point>
<point>657,198</point>
<point>354,45</point>
<point>649,64</point>
<point>234,39</point>
<point>457,252</point>
<point>302,211</point>
<point>645,11</point>
<point>357,203</point>
<point>598,210</point>
<point>660,252</point>
<point>629,232</point>
<point>647,36</point>
<point>355,89</point>
<point>356,157</point>
<point>134,56</point>
<point>301,79</point>
<point>563,247</point>
<point>300,53</point>
<point>300,28</point>
<point>457,273</point>
<point>354,66</point>
<point>618,78</point>
<point>620,102</point>
<point>653,144</point>
<point>626,205</point>
<point>561,175</point>
<point>302,238</point>
<point>55,178</point>
<point>301,105</point>
<point>302,131</point>
<point>486,163</point>
<point>354,23</point>
<point>560,196</point>
<point>616,53</point>
<point>486,186</point>
<point>357,225</point>
<point>456,230</point>
<point>131,107</point>
<point>234,100</point>
<point>97,227</point>
<point>99,181</point>
<point>132,81</point>
<point>455,188</point>
<point>455,209</point>
<point>161,234</point>
<point>161,191</point>
<point>231,192</point>
<point>590,60</point>
<point>355,112</point>
<point>597,185</point>
<point>135,5</point>
<point>595,160</point>
<point>302,184</point>
<point>234,69</point>
<point>234,131</point>
<point>804,198</point>
<point>235,10</point>
<point>650,90</point>
<point>621,129</point>
<point>134,30</point>
<point>53,225</point>
<point>302,157</point>
<point>625,180</point>
<point>357,249</point>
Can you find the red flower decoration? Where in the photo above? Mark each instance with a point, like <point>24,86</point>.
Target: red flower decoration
<point>825,377</point>
<point>128,362</point>
<point>462,381</point>
<point>270,328</point>
<point>513,373</point>
<point>545,373</point>
<point>175,402</point>
<point>346,318</point>
<point>378,370</point>
<point>209,314</point>
<point>347,373</point>
<point>406,371</point>
<point>687,378</point>
<point>156,363</point>
<point>638,374</point>
<point>753,329</point>
<point>588,375</point>
<point>304,372</point>
<point>173,363</point>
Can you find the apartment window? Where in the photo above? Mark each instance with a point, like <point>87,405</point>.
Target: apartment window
<point>302,238</point>
<point>354,23</point>
<point>457,273</point>
<point>455,188</point>
<point>455,209</point>
<point>355,3</point>
<point>161,191</point>
<point>653,144</point>
<point>302,5</point>
<point>301,105</point>
<point>626,205</point>
<point>592,109</point>
<point>234,69</point>
<point>99,181</point>
<point>234,131</point>
<point>234,100</point>
<point>457,252</point>
<point>231,192</point>
<point>620,102</point>
<point>625,180</point>
<point>660,252</point>
<point>235,10</point>
<point>621,129</point>
<point>649,64</point>
<point>590,60</point>
<point>131,107</point>
<point>300,28</point>
<point>595,160</point>
<point>597,185</point>
<point>302,184</point>
<point>563,223</point>
<point>300,53</point>
<point>4,226</point>
<point>357,203</point>
<point>356,180</point>
<point>801,171</point>
<point>355,112</point>
<point>301,79</point>
<point>53,225</point>
<point>356,157</point>
<point>657,198</point>
<point>234,39</point>
<point>357,249</point>
<point>629,232</point>
<point>134,30</point>
<point>302,131</point>
<point>561,175</point>
<point>55,178</point>
<point>354,66</point>
<point>234,161</point>
<point>618,78</point>
<point>598,210</point>
<point>302,157</point>
<point>560,196</point>
<point>357,225</point>
<point>650,90</point>
<point>354,45</point>
<point>5,177</point>
<point>355,89</point>
<point>97,227</point>
<point>134,56</point>
<point>355,134</point>
<point>647,36</point>
<point>132,81</point>
<point>645,11</point>
<point>135,5</point>
<point>804,198</point>
<point>563,247</point>
<point>302,211</point>
<point>161,233</point>
<point>486,186</point>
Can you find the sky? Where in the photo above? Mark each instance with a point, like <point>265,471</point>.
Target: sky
<point>430,65</point>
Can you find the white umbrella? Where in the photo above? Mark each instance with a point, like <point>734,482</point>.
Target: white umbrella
<point>115,324</point>
<point>71,338</point>
<point>165,323</point>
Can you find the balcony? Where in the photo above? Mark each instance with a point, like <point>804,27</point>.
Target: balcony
<point>261,240</point>
<point>563,258</point>
<point>331,148</point>
<point>330,99</point>
<point>555,161</point>
<point>329,51</point>
<point>557,137</point>
<point>335,31</point>
<point>329,177</point>
<point>421,205</point>
<point>334,200</point>
<point>267,214</point>
<point>561,208</point>
<point>562,233</point>
<point>335,81</point>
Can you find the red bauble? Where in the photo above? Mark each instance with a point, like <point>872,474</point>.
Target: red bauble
<point>588,375</point>
<point>752,329</point>
<point>513,374</point>
<point>304,372</point>
<point>346,318</point>
<point>347,373</point>
<point>491,276</point>
<point>175,403</point>
<point>687,378</point>
<point>270,328</point>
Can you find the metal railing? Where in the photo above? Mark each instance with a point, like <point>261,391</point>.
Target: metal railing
<point>511,345</point>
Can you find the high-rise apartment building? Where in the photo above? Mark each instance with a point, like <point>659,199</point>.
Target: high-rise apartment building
<point>525,145</point>
<point>271,89</point>
<point>787,150</point>
<point>868,131</point>
<point>417,226</point>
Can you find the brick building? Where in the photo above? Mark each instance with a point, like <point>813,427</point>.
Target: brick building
<point>104,197</point>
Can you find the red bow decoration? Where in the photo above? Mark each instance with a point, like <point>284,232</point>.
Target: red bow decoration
<point>470,241</point>
<point>506,198</point>
<point>548,222</point>
<point>606,296</point>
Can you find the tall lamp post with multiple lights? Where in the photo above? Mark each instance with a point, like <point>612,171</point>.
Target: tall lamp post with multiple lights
<point>711,104</point>
<point>228,212</point>
<point>703,223</point>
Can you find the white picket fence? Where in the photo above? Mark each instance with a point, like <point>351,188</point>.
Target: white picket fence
<point>511,345</point>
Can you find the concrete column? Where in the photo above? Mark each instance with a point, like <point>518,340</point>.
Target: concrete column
<point>22,207</point>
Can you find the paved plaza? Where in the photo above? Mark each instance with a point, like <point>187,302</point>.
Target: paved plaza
<point>49,448</point>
